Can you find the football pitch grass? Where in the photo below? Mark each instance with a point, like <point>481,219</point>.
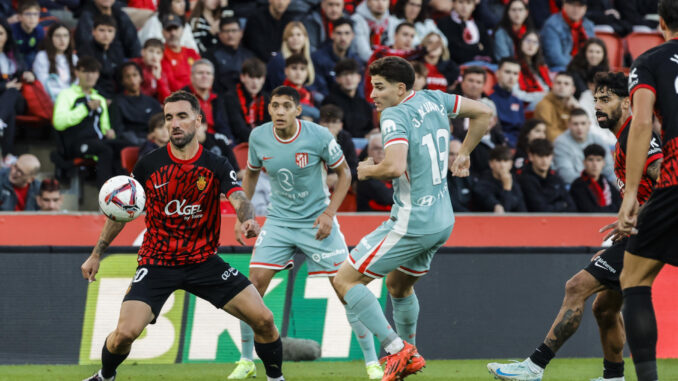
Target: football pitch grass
<point>456,370</point>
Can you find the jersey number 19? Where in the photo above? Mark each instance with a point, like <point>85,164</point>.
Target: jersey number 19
<point>437,152</point>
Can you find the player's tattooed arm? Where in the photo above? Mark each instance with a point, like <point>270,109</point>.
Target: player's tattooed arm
<point>108,233</point>
<point>242,205</point>
<point>654,169</point>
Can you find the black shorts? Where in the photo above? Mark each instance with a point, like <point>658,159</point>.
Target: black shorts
<point>657,226</point>
<point>213,280</point>
<point>607,267</point>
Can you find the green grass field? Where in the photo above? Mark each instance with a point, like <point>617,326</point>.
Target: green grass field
<point>457,370</point>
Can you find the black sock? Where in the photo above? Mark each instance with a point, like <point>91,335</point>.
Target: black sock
<point>542,355</point>
<point>641,331</point>
<point>271,354</point>
<point>613,369</point>
<point>110,361</point>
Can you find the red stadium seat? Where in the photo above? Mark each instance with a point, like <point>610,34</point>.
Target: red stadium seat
<point>638,43</point>
<point>615,48</point>
<point>240,152</point>
<point>129,157</point>
<point>489,82</point>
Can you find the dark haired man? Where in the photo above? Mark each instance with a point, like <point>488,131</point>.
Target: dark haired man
<point>652,88</point>
<point>185,258</point>
<point>555,108</point>
<point>321,24</point>
<point>592,192</point>
<point>331,52</point>
<point>109,55</point>
<point>421,218</point>
<point>228,55</point>
<point>126,33</point>
<point>49,198</point>
<point>497,189</point>
<point>601,275</point>
<point>510,109</point>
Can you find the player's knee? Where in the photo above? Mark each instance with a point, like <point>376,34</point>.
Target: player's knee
<point>604,313</point>
<point>575,288</point>
<point>397,290</point>
<point>123,337</point>
<point>264,325</point>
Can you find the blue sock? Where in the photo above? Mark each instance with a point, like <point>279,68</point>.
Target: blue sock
<point>405,314</point>
<point>361,302</point>
<point>247,341</point>
<point>364,336</point>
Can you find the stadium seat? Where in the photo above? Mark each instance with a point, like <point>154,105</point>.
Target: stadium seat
<point>129,157</point>
<point>615,48</point>
<point>240,152</point>
<point>638,43</point>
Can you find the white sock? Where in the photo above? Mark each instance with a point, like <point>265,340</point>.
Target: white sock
<point>395,346</point>
<point>614,379</point>
<point>533,367</point>
<point>281,378</point>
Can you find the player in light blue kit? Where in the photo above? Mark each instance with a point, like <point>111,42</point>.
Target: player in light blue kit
<point>416,134</point>
<point>295,154</point>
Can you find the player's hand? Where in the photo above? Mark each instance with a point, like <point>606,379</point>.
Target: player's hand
<point>363,166</point>
<point>461,165</point>
<point>613,233</point>
<point>90,268</point>
<point>93,104</point>
<point>628,216</point>
<point>110,134</point>
<point>324,224</point>
<point>248,229</point>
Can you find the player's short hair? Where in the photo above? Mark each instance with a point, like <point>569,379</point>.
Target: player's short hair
<point>346,66</point>
<point>254,68</point>
<point>501,153</point>
<point>403,25</point>
<point>154,43</point>
<point>578,112</point>
<point>565,73</point>
<point>182,95</point>
<point>668,11</point>
<point>296,59</point>
<point>506,60</point>
<point>26,5</point>
<point>594,150</point>
<point>394,70</point>
<point>286,91</point>
<point>420,68</point>
<point>540,147</point>
<point>474,69</point>
<point>616,83</point>
<point>105,20</point>
<point>88,64</point>
<point>156,121</point>
<point>121,69</point>
<point>342,21</point>
<point>49,185</point>
<point>228,21</point>
<point>330,113</point>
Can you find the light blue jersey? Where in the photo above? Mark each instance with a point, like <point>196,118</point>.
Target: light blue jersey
<point>421,198</point>
<point>297,168</point>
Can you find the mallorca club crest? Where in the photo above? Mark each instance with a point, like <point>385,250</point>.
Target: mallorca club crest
<point>301,158</point>
<point>201,183</point>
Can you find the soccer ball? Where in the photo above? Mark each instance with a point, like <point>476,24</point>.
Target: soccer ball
<point>122,198</point>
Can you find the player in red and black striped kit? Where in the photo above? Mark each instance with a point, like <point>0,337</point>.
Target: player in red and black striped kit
<point>601,275</point>
<point>654,239</point>
<point>183,184</point>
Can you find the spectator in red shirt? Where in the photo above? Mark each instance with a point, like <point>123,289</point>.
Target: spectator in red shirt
<point>534,80</point>
<point>296,76</point>
<point>18,186</point>
<point>202,80</point>
<point>177,60</point>
<point>442,72</point>
<point>155,84</point>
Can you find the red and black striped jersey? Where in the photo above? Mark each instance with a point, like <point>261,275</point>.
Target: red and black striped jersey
<point>653,154</point>
<point>183,216</point>
<point>657,70</point>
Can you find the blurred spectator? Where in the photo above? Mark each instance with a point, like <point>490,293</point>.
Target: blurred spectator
<point>568,160</point>
<point>10,93</point>
<point>489,12</point>
<point>264,28</point>
<point>27,35</point>
<point>153,26</point>
<point>589,60</point>
<point>218,144</point>
<point>531,130</point>
<point>371,22</point>
<point>49,198</point>
<point>357,112</point>
<point>592,192</point>
<point>320,23</point>
<point>564,34</point>
<point>154,83</point>
<point>636,13</point>
<point>295,41</point>
<point>246,104</point>
<point>515,22</point>
<point>177,60</point>
<point>497,190</point>
<point>540,11</point>
<point>228,55</point>
<point>202,80</point>
<point>603,14</point>
<point>442,72</point>
<point>126,36</point>
<point>328,54</point>
<point>420,74</point>
<point>459,187</point>
<point>414,12</point>
<point>471,86</point>
<point>81,118</point>
<point>509,107</point>
<point>534,80</point>
<point>557,105</point>
<point>296,76</point>
<point>469,40</point>
<point>54,65</point>
<point>131,110</point>
<point>543,189</point>
<point>109,55</point>
<point>158,135</point>
<point>374,195</point>
<point>331,117</point>
<point>18,186</point>
<point>204,22</point>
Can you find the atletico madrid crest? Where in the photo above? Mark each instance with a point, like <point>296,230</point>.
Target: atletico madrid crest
<point>301,159</point>
<point>201,183</point>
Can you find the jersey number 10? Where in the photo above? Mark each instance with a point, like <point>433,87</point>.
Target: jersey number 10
<point>437,152</point>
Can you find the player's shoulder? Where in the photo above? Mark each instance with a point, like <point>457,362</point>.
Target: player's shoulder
<point>261,132</point>
<point>314,130</point>
<point>155,157</point>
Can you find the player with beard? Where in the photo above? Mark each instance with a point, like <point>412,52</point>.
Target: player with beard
<point>602,273</point>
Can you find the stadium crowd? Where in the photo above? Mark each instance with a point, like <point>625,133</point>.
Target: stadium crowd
<point>97,71</point>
